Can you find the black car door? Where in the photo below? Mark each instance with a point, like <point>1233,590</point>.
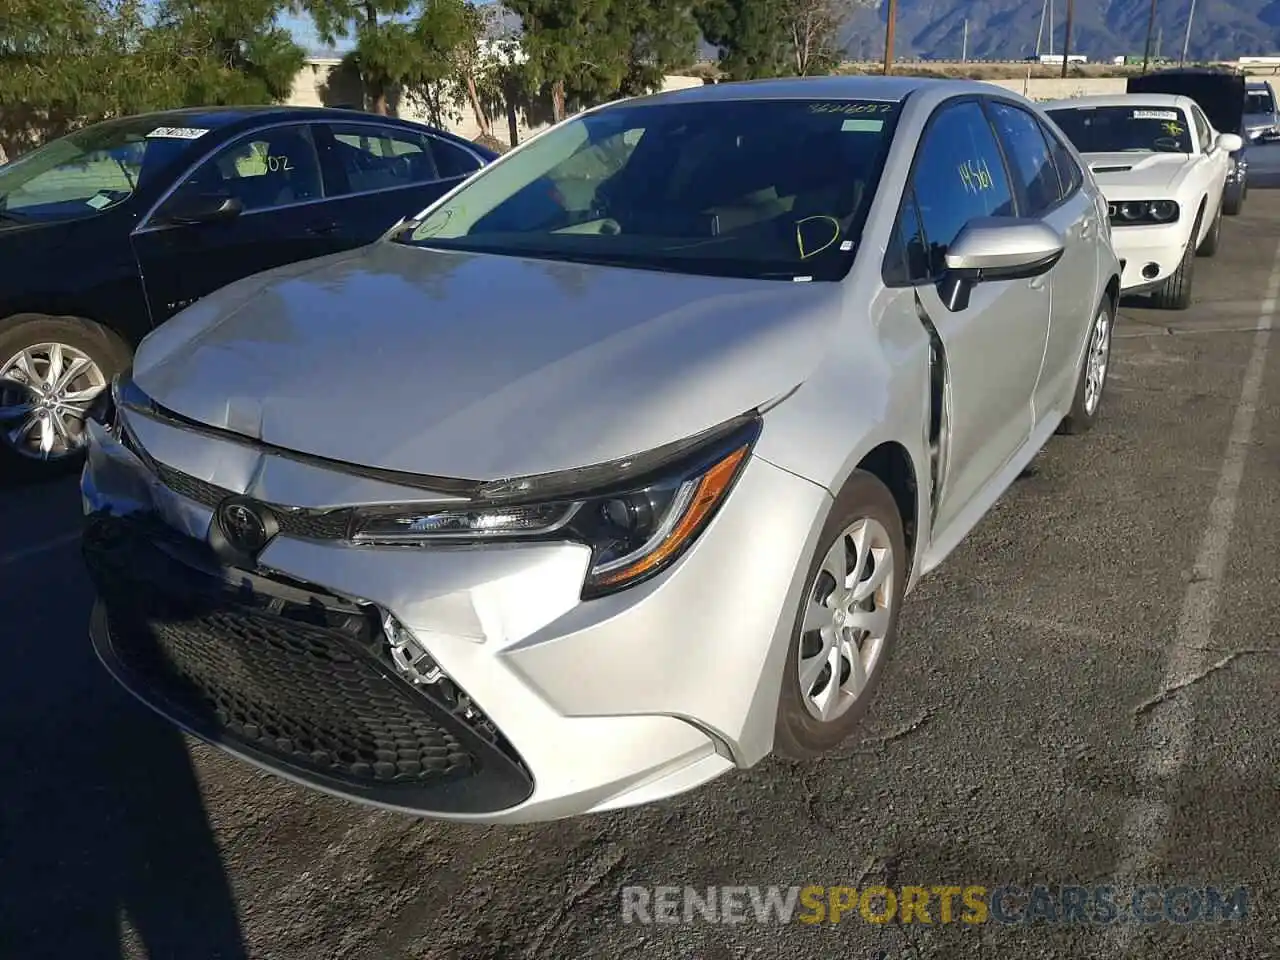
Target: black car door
<point>383,172</point>
<point>191,246</point>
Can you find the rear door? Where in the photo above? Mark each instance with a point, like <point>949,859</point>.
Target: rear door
<point>275,174</point>
<point>1056,199</point>
<point>382,172</point>
<point>994,346</point>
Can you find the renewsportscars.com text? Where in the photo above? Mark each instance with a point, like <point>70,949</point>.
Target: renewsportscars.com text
<point>942,904</point>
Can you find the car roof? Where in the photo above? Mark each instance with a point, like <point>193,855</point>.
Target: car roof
<point>1169,100</point>
<point>236,118</point>
<point>817,88</point>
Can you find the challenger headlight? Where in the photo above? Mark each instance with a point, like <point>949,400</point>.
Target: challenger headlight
<point>637,515</point>
<point>1134,212</point>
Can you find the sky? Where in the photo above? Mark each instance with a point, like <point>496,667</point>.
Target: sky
<point>304,33</point>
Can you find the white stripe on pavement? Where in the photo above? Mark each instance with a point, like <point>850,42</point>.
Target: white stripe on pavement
<point>1169,733</point>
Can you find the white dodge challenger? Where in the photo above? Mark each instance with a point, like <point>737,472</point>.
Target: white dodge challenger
<point>1162,168</point>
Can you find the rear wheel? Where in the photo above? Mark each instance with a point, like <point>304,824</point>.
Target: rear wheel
<point>847,622</point>
<point>1093,374</point>
<point>51,371</point>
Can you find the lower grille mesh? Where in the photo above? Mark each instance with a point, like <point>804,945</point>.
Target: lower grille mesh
<point>302,680</point>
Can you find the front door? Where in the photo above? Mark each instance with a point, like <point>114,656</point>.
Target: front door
<point>276,176</point>
<point>995,345</point>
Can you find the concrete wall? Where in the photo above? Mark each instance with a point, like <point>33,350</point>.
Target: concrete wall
<point>321,82</point>
<point>1058,89</point>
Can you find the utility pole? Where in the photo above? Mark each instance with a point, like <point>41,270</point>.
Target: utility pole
<point>1186,40</point>
<point>964,48</point>
<point>888,36</point>
<point>1151,27</point>
<point>1050,50</point>
<point>1066,43</point>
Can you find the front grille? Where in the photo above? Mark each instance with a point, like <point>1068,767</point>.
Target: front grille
<point>299,680</point>
<point>294,521</point>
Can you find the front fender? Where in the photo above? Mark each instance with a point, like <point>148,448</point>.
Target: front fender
<point>871,388</point>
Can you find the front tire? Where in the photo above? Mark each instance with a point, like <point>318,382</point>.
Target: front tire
<point>51,370</point>
<point>845,629</point>
<point>1234,202</point>
<point>1087,400</point>
<point>1213,239</point>
<point>1175,292</point>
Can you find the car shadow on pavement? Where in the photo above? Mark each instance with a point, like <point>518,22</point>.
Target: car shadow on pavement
<point>102,826</point>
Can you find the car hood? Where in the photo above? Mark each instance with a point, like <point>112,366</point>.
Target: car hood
<point>1142,171</point>
<point>35,236</point>
<point>478,366</point>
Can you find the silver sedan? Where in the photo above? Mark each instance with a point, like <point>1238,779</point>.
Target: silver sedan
<point>608,473</point>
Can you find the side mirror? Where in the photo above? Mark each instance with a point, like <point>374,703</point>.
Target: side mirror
<point>1230,142</point>
<point>997,248</point>
<point>202,208</point>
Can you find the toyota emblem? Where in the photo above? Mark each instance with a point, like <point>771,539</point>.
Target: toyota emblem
<point>243,525</point>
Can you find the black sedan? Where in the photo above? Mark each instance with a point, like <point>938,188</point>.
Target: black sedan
<point>111,230</point>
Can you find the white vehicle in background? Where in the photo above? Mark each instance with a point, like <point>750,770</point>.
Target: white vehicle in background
<point>1163,169</point>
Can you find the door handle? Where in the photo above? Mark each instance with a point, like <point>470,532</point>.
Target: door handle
<point>1086,230</point>
<point>323,227</point>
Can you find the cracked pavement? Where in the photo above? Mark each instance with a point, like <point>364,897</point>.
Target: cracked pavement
<point>1030,705</point>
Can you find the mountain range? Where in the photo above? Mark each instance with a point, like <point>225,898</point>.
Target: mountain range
<point>1007,29</point>
<point>1101,29</point>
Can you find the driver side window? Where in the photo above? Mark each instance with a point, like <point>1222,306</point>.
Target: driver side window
<point>1203,133</point>
<point>959,176</point>
<point>269,168</point>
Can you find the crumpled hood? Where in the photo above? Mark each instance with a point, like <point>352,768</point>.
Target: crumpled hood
<point>481,367</point>
<point>1136,171</point>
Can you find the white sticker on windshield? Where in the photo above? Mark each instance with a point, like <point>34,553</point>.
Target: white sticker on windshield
<point>862,126</point>
<point>178,133</point>
<point>1155,115</point>
<point>98,201</point>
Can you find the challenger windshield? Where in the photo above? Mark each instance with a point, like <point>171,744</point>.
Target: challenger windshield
<point>87,171</point>
<point>774,189</point>
<point>1136,129</point>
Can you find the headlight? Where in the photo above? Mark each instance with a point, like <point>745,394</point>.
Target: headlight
<point>1133,212</point>
<point>638,515</point>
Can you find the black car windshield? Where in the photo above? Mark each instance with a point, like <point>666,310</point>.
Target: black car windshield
<point>1259,101</point>
<point>90,170</point>
<point>775,189</point>
<point>1136,129</point>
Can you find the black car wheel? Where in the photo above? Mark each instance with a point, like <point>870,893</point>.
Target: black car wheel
<point>51,371</point>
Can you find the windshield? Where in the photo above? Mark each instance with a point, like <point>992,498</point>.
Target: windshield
<point>1125,129</point>
<point>774,189</point>
<point>1259,101</point>
<point>88,171</point>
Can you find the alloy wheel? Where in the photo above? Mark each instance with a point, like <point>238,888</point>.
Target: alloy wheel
<point>46,391</point>
<point>1099,355</point>
<point>846,619</point>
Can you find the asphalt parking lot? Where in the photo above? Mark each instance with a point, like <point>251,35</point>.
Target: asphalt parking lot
<point>1085,694</point>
